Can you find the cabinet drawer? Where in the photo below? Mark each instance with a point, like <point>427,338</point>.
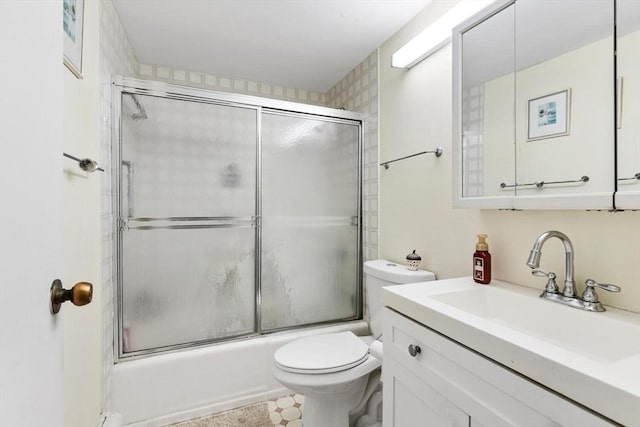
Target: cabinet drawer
<point>491,394</point>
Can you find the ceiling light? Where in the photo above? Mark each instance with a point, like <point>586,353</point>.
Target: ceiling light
<point>435,35</point>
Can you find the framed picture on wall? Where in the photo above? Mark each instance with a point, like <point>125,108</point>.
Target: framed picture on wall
<point>549,115</point>
<point>72,24</point>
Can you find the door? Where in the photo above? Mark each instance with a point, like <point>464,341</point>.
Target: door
<point>310,210</point>
<point>413,402</point>
<point>30,212</point>
<point>187,208</point>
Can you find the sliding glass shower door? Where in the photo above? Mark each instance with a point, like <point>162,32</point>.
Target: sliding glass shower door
<point>310,237</point>
<point>188,208</point>
<point>233,219</point>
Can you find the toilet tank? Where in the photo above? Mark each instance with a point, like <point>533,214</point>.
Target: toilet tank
<point>381,273</point>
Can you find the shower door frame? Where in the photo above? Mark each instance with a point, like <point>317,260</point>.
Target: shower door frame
<point>134,86</point>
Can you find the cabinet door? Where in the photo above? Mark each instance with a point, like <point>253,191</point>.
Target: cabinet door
<point>628,103</point>
<point>445,381</point>
<point>564,104</point>
<point>417,404</point>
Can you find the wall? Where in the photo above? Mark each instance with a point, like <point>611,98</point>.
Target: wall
<point>415,195</point>
<point>81,247</point>
<point>358,91</point>
<point>229,84</point>
<point>116,58</point>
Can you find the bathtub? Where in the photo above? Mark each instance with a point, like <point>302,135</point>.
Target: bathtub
<point>169,388</point>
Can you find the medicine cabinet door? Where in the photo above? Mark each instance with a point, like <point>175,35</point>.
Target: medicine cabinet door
<point>628,104</point>
<point>564,56</point>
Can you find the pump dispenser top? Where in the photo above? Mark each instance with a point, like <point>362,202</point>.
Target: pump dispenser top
<point>482,261</point>
<point>482,244</point>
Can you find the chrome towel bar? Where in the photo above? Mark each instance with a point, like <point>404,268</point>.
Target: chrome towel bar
<point>86,165</point>
<point>540,184</point>
<point>634,177</point>
<point>437,152</point>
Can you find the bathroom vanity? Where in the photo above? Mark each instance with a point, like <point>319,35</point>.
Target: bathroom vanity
<point>462,354</point>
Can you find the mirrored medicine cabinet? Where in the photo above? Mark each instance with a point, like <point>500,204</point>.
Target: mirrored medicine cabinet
<point>628,104</point>
<point>545,116</point>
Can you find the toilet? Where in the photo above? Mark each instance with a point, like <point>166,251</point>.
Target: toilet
<point>339,373</point>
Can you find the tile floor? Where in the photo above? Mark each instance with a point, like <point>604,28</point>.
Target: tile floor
<point>282,411</point>
<point>287,410</point>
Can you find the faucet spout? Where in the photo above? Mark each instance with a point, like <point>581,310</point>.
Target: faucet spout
<point>569,290</point>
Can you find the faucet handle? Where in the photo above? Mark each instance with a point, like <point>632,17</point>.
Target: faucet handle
<point>551,286</point>
<point>590,295</point>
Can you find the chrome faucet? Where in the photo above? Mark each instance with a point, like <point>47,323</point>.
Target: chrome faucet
<point>569,290</point>
<point>589,300</point>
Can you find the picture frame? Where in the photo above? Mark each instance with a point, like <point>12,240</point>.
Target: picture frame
<point>72,28</point>
<point>548,115</point>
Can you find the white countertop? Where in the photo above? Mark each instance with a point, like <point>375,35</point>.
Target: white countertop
<point>591,358</point>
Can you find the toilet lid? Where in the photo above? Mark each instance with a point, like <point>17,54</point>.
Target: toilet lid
<point>322,354</point>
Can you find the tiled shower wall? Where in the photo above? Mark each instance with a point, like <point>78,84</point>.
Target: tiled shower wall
<point>357,91</point>
<point>228,84</point>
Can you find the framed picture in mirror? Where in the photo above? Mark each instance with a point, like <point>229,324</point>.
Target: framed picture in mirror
<point>549,115</point>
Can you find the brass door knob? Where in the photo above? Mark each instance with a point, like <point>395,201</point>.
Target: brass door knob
<point>80,294</point>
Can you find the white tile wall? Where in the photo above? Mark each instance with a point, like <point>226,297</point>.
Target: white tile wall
<point>358,91</point>
<point>473,143</point>
<point>116,58</point>
<point>229,84</point>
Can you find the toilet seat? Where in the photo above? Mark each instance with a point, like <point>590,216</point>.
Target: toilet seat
<point>322,354</point>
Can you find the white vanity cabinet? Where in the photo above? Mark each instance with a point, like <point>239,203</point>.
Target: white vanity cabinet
<point>447,384</point>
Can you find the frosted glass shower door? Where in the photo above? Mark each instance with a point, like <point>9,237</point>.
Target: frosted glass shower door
<point>310,208</point>
<point>187,212</point>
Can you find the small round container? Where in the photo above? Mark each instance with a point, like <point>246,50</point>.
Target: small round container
<point>413,261</point>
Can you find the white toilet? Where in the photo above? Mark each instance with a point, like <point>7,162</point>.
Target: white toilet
<point>339,373</point>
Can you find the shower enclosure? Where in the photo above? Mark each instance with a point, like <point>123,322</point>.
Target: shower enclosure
<point>236,216</point>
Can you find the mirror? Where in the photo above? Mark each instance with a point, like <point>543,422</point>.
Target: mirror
<point>488,120</point>
<point>564,97</point>
<point>536,102</point>
<point>628,104</point>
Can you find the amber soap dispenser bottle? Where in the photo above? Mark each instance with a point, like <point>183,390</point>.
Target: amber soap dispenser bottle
<point>482,261</point>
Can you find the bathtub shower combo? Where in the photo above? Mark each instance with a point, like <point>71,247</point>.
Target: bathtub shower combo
<point>237,217</point>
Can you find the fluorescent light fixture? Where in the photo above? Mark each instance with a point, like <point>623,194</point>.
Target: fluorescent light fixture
<point>436,35</point>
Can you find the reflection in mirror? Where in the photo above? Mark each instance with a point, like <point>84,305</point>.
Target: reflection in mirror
<point>487,106</point>
<point>564,97</point>
<point>628,87</point>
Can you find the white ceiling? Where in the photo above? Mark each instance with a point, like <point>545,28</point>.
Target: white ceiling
<point>308,44</point>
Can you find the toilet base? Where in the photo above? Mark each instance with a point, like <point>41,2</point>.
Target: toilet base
<point>332,408</point>
<point>368,413</point>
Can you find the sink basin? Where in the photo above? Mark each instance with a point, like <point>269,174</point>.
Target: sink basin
<point>586,333</point>
<point>591,358</point>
